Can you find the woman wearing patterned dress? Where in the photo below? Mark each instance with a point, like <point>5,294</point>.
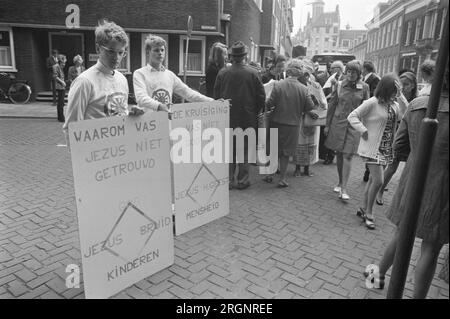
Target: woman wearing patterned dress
<point>376,120</point>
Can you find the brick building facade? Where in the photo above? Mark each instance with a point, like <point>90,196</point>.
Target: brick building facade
<point>30,29</point>
<point>404,33</point>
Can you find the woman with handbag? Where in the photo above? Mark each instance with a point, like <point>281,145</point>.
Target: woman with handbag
<point>341,136</point>
<point>376,120</point>
<point>289,101</point>
<point>307,151</point>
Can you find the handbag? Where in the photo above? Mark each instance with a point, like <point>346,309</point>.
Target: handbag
<point>320,121</point>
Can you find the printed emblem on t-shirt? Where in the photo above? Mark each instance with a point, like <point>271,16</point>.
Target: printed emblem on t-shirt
<point>162,96</point>
<point>116,104</point>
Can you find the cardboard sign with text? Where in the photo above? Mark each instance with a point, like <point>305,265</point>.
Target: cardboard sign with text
<point>121,169</point>
<point>200,188</point>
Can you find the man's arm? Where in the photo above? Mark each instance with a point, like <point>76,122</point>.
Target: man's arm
<point>78,102</point>
<point>140,92</point>
<point>260,95</point>
<point>218,87</point>
<point>186,92</point>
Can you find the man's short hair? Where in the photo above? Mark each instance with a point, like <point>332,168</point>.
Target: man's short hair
<point>337,64</point>
<point>106,31</point>
<point>54,51</point>
<point>154,41</point>
<point>428,67</point>
<point>368,66</point>
<point>280,58</point>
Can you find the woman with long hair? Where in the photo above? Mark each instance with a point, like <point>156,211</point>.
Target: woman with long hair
<point>409,92</point>
<point>216,61</point>
<point>376,120</point>
<point>341,136</point>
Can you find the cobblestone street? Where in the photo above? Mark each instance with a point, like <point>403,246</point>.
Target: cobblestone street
<point>299,242</point>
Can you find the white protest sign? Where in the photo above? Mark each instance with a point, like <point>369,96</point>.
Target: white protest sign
<point>200,183</point>
<point>121,169</point>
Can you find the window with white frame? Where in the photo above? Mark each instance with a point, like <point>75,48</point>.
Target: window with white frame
<point>7,61</point>
<point>418,29</point>
<point>196,55</point>
<point>146,55</point>
<point>388,41</point>
<point>399,27</point>
<point>124,65</point>
<point>408,33</point>
<point>394,32</point>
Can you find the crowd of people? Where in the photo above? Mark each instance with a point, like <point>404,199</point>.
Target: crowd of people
<point>348,110</point>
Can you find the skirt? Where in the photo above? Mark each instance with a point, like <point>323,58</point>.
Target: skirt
<point>307,150</point>
<point>287,138</point>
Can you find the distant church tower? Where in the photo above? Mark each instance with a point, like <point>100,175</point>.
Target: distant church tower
<point>318,7</point>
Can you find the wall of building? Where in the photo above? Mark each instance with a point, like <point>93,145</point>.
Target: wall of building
<point>245,21</point>
<point>143,14</point>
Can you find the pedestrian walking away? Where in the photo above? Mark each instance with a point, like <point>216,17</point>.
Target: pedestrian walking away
<point>289,100</point>
<point>216,61</point>
<point>241,84</point>
<point>307,150</point>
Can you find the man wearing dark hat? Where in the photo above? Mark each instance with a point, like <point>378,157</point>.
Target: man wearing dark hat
<point>242,85</point>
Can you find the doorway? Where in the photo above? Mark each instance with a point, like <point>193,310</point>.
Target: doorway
<point>69,44</point>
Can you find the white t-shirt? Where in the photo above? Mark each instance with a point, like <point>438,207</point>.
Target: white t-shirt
<point>152,87</point>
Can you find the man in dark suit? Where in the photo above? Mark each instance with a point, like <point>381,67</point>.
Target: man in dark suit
<point>51,61</point>
<point>370,77</point>
<point>372,80</point>
<point>241,83</point>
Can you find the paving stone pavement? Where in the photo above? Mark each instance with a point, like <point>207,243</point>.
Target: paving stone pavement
<point>299,242</point>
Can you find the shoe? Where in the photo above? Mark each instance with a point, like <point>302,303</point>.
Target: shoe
<point>337,189</point>
<point>366,176</point>
<point>297,173</point>
<point>268,179</point>
<point>282,184</point>
<point>361,213</point>
<point>379,202</point>
<point>327,162</point>
<point>310,174</point>
<point>242,186</point>
<point>344,196</point>
<point>378,281</point>
<point>230,186</point>
<point>369,223</point>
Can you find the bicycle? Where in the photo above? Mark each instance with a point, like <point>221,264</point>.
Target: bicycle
<point>18,91</point>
